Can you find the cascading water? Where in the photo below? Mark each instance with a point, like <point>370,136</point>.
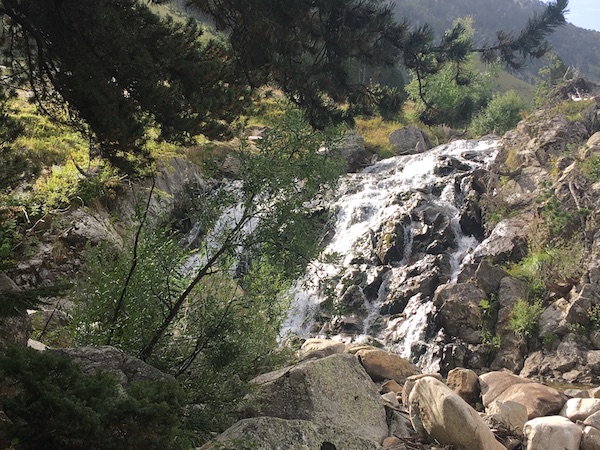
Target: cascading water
<point>399,233</point>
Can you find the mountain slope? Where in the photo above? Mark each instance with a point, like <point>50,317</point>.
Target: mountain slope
<point>576,46</point>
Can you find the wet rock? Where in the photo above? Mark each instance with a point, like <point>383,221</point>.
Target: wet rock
<point>315,391</point>
<point>390,242</point>
<point>552,433</point>
<point>507,241</point>
<point>438,414</point>
<point>488,276</point>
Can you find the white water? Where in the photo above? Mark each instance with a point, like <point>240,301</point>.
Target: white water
<point>389,192</point>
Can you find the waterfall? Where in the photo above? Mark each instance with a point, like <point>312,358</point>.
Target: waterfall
<point>397,235</point>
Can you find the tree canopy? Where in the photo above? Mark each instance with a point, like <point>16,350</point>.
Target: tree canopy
<point>116,69</point>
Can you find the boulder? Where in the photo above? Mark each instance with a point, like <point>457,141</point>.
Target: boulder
<point>590,439</point>
<point>510,416</point>
<point>593,420</point>
<point>382,365</point>
<point>14,330</point>
<point>391,386</point>
<point>408,141</point>
<point>319,348</point>
<point>539,399</point>
<point>506,242</point>
<point>126,369</point>
<point>334,390</point>
<point>552,433</point>
<point>355,153</point>
<point>438,414</point>
<point>580,408</point>
<point>272,433</point>
<point>410,384</point>
<point>465,383</point>
<point>459,312</point>
<point>495,383</point>
<point>488,276</point>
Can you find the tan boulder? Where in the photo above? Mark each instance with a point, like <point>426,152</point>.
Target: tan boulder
<point>410,383</point>
<point>439,414</point>
<point>391,386</point>
<point>382,365</point>
<point>540,400</point>
<point>593,420</point>
<point>320,348</point>
<point>495,383</point>
<point>465,383</point>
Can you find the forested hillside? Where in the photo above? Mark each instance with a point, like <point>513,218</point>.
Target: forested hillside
<point>576,46</point>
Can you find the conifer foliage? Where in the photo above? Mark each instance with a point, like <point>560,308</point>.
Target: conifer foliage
<point>115,68</point>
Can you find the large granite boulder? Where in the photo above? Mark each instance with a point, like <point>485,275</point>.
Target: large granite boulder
<point>126,369</point>
<point>438,414</point>
<point>272,433</point>
<point>334,390</point>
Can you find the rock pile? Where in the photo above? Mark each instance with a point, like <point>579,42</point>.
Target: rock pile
<point>359,397</point>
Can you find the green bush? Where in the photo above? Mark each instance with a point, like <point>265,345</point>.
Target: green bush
<point>51,405</point>
<point>524,318</point>
<point>501,114</point>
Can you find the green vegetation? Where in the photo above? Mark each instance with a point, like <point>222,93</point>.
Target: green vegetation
<point>524,318</point>
<point>590,168</point>
<point>52,405</point>
<point>501,114</point>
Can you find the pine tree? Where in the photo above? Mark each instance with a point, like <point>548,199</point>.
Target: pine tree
<point>114,68</point>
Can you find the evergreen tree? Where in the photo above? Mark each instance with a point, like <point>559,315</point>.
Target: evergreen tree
<point>115,68</point>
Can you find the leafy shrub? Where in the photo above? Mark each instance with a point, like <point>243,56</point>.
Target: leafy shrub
<point>501,114</point>
<point>524,318</point>
<point>53,406</point>
<point>590,168</point>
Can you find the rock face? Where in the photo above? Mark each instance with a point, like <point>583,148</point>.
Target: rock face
<point>439,414</point>
<point>459,313</point>
<point>271,433</point>
<point>334,390</point>
<point>126,369</point>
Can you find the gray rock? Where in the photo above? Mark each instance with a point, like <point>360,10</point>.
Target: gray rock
<point>408,141</point>
<point>335,390</point>
<point>272,433</point>
<point>354,152</point>
<point>459,312</point>
<point>552,433</point>
<point>488,276</point>
<point>126,369</point>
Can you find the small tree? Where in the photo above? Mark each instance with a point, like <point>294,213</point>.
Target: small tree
<point>501,114</point>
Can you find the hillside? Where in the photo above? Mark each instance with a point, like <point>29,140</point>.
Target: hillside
<point>576,46</point>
